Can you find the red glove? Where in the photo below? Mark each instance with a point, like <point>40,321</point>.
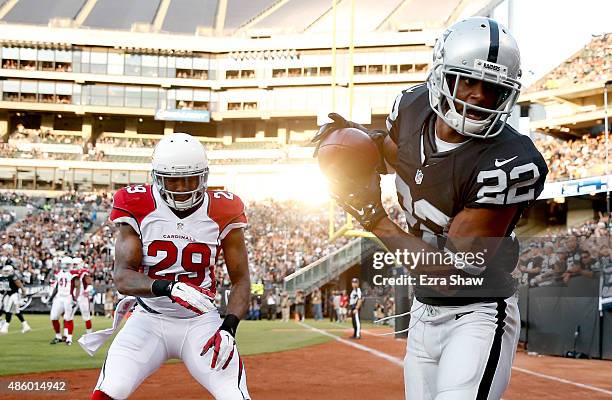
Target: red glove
<point>222,343</point>
<point>192,297</point>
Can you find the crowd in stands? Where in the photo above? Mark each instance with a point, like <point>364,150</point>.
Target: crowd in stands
<point>32,245</point>
<point>282,237</point>
<point>126,142</point>
<point>45,136</point>
<point>31,65</point>
<point>556,258</point>
<point>591,64</point>
<point>573,159</point>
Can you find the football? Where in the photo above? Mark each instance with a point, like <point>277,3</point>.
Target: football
<point>348,155</point>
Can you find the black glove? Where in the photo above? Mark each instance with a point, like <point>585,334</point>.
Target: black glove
<point>378,136</point>
<point>362,202</point>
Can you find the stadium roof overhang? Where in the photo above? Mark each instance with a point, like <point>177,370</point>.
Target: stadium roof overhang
<point>566,93</point>
<point>580,115</point>
<point>177,43</point>
<point>574,125</point>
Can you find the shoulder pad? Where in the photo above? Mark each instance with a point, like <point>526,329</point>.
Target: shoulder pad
<point>131,204</point>
<point>227,210</point>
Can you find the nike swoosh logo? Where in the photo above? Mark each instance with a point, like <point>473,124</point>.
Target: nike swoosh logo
<point>360,212</point>
<point>499,163</point>
<point>457,316</point>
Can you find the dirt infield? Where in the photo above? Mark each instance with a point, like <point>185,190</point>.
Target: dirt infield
<point>336,370</point>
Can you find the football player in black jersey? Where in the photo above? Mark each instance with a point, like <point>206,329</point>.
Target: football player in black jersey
<point>463,178</point>
<point>11,285</point>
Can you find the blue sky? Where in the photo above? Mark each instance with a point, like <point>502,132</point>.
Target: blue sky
<point>549,31</point>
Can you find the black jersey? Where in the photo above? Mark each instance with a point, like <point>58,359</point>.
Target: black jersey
<point>433,187</point>
<point>8,284</point>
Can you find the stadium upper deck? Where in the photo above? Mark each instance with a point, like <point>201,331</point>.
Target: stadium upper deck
<point>224,69</point>
<point>569,99</point>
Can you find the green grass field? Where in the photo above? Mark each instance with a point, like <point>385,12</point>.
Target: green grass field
<point>31,352</point>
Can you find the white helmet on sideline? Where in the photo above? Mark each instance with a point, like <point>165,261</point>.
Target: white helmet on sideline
<point>77,262</point>
<point>66,263</point>
<point>180,155</point>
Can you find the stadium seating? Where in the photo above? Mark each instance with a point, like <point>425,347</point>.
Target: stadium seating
<point>592,63</point>
<point>572,159</point>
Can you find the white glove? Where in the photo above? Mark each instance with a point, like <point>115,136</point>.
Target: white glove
<point>223,345</point>
<point>194,298</point>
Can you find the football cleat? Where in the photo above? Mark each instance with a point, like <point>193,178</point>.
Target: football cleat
<point>56,341</point>
<point>25,328</point>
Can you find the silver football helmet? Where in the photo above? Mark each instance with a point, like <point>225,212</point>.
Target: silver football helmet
<point>476,48</point>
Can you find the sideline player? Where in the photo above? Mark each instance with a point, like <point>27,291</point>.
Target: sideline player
<point>463,178</point>
<point>85,292</point>
<point>63,300</point>
<point>169,237</point>
<point>355,304</point>
<point>11,285</point>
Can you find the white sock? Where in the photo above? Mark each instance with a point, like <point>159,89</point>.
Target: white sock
<point>69,338</point>
<point>58,336</point>
<point>87,330</point>
<point>66,332</point>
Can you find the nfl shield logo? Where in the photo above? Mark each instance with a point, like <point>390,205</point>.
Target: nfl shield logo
<point>179,226</point>
<point>418,178</point>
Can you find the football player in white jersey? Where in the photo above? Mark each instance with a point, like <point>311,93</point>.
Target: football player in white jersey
<point>85,292</point>
<point>63,300</point>
<point>169,236</point>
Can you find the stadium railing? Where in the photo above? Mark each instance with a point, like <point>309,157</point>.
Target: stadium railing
<point>325,269</point>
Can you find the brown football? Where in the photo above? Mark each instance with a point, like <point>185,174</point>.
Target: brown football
<point>348,154</point>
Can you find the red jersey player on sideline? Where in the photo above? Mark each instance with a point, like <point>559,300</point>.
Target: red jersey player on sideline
<point>169,237</point>
<point>63,300</point>
<point>85,292</point>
